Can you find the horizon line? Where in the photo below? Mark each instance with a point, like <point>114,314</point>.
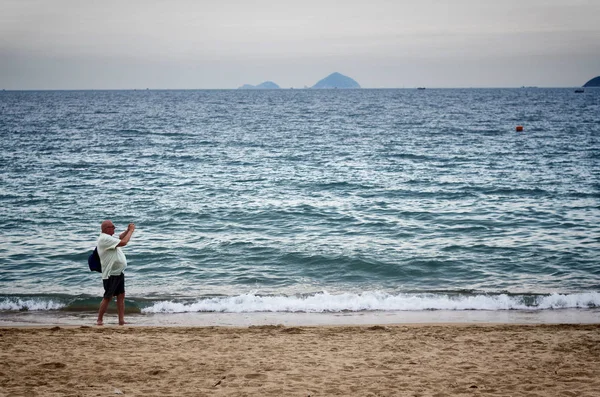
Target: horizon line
<point>283,88</point>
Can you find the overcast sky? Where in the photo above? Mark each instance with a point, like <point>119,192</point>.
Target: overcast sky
<point>81,44</point>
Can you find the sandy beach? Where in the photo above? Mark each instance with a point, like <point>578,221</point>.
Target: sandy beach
<point>391,360</point>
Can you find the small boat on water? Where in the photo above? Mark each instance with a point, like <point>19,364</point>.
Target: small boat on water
<point>420,88</point>
<point>579,90</point>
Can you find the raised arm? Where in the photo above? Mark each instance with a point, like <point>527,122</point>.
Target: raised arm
<point>126,235</point>
<point>122,235</point>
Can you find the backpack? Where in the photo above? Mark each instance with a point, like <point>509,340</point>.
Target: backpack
<point>94,261</point>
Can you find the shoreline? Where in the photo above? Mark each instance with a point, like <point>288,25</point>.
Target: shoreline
<point>204,319</point>
<point>268,360</point>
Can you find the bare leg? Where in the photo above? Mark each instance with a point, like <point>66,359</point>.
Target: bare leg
<point>121,308</point>
<point>103,307</point>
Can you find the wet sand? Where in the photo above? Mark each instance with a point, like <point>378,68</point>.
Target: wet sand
<point>391,360</point>
<point>207,319</point>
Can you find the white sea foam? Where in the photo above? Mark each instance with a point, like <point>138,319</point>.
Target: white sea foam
<point>369,301</point>
<point>29,305</point>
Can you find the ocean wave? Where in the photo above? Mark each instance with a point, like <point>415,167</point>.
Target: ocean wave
<point>33,304</point>
<point>324,302</point>
<point>321,302</point>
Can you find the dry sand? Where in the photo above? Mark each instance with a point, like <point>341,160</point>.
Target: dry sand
<point>422,360</point>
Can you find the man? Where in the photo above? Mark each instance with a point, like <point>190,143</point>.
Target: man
<point>113,263</point>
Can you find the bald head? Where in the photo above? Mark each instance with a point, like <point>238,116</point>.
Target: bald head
<point>107,227</point>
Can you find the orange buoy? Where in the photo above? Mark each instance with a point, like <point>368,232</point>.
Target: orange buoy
<point>519,128</point>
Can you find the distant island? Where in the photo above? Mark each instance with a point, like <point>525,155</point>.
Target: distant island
<point>336,80</point>
<point>595,82</point>
<point>267,85</point>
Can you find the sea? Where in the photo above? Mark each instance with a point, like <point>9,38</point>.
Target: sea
<point>302,206</point>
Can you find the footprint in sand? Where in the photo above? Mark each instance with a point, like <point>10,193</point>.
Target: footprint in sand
<point>156,372</point>
<point>53,365</point>
<point>255,376</point>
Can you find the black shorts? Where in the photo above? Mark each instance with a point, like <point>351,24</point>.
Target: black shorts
<point>114,285</point>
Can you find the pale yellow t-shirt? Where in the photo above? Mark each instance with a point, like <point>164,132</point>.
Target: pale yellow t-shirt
<point>112,258</point>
